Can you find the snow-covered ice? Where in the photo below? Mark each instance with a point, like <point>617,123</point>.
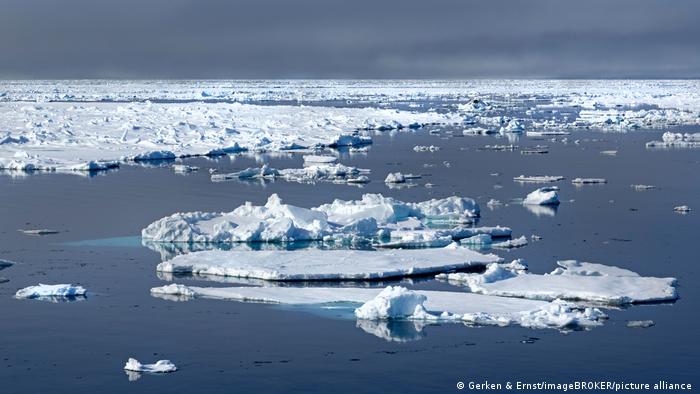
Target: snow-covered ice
<point>682,209</point>
<point>588,181</point>
<point>312,172</point>
<point>543,196</point>
<point>397,177</point>
<point>511,243</point>
<point>572,280</point>
<point>279,222</point>
<point>39,231</point>
<point>160,366</point>
<point>538,178</point>
<point>641,187</point>
<point>396,302</point>
<point>311,264</point>
<point>676,140</point>
<point>47,291</point>
<point>640,323</point>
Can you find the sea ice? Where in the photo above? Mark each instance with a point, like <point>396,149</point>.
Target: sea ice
<point>588,181</point>
<point>640,323</point>
<point>46,291</point>
<point>395,302</point>
<point>538,178</point>
<point>572,280</point>
<point>41,231</point>
<point>183,169</point>
<point>511,243</point>
<point>161,366</point>
<point>543,196</point>
<point>643,187</point>
<point>426,148</point>
<point>682,209</point>
<point>676,140</point>
<point>312,264</point>
<point>397,177</point>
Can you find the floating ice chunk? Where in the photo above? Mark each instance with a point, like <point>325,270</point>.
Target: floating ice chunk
<point>40,231</point>
<point>543,196</point>
<point>546,133</point>
<point>417,239</point>
<point>253,172</point>
<point>42,291</point>
<point>535,150</point>
<point>492,203</point>
<point>575,282</point>
<point>608,152</point>
<point>476,105</point>
<point>513,126</point>
<point>392,303</point>
<point>161,366</point>
<point>511,243</point>
<point>588,181</point>
<point>642,187</point>
<point>397,177</point>
<point>437,306</point>
<point>676,140</point>
<point>682,209</point>
<point>640,323</point>
<point>478,131</point>
<point>183,169</point>
<point>538,178</point>
<point>426,148</point>
<point>325,264</point>
<point>479,240</point>
<point>318,159</point>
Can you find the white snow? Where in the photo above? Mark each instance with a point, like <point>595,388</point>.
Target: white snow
<point>42,291</point>
<point>160,366</point>
<point>279,222</point>
<point>538,178</point>
<point>311,264</point>
<point>543,196</point>
<point>399,303</point>
<point>572,280</point>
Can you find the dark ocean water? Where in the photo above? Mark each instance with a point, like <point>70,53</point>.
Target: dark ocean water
<point>228,347</point>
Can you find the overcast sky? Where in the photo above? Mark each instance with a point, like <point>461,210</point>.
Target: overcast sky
<point>349,39</point>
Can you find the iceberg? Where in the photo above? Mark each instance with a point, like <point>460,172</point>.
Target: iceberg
<point>399,303</point>
<point>572,281</point>
<point>313,265</point>
<point>543,196</point>
<point>47,291</point>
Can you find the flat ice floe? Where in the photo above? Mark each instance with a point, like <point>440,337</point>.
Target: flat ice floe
<point>572,280</point>
<point>588,181</point>
<point>400,303</point>
<point>310,265</point>
<point>676,140</point>
<point>538,178</point>
<point>312,172</point>
<point>278,222</point>
<point>95,136</point>
<point>47,291</point>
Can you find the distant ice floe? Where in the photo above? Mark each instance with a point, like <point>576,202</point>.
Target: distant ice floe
<point>312,172</point>
<point>572,280</point>
<point>310,264</point>
<point>43,291</point>
<point>397,177</point>
<point>543,196</point>
<point>642,187</point>
<point>183,169</point>
<point>160,366</point>
<point>398,303</point>
<point>70,136</point>
<point>640,323</point>
<point>40,231</point>
<point>588,181</point>
<point>682,209</point>
<point>426,148</point>
<point>538,178</point>
<point>374,216</point>
<point>676,140</point>
<point>511,243</point>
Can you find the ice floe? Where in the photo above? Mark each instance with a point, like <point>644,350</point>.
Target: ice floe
<point>572,280</point>
<point>310,264</point>
<point>312,172</point>
<point>588,181</point>
<point>538,178</point>
<point>543,196</point>
<point>47,291</point>
<point>426,148</point>
<point>339,220</point>
<point>40,231</point>
<point>183,169</point>
<point>511,243</point>
<point>400,303</point>
<point>640,323</point>
<point>642,187</point>
<point>682,209</point>
<point>397,177</point>
<point>676,140</point>
<point>160,366</point>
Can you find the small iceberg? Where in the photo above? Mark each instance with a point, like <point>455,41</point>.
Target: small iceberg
<point>160,366</point>
<point>48,291</point>
<point>543,196</point>
<point>397,177</point>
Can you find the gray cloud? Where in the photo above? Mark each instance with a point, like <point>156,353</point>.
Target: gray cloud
<point>355,39</point>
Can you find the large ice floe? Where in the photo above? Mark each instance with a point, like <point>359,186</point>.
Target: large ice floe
<point>398,303</point>
<point>311,264</point>
<point>543,196</point>
<point>312,172</point>
<point>676,140</point>
<point>372,216</point>
<point>48,292</point>
<point>572,280</point>
<point>95,136</point>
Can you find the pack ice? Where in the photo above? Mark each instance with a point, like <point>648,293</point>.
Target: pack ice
<point>310,264</point>
<point>160,366</point>
<point>572,280</point>
<point>279,222</point>
<point>396,302</point>
<point>312,172</point>
<point>70,136</point>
